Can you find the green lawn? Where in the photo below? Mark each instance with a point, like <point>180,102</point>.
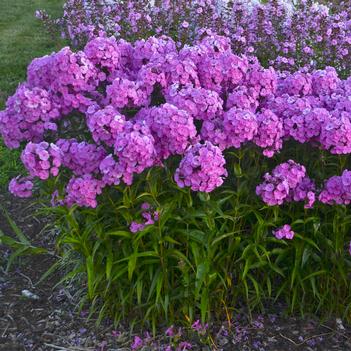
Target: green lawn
<point>22,37</point>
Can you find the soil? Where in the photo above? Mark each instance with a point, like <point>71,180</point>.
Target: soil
<point>49,318</point>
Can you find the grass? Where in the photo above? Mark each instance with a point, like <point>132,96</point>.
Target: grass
<point>22,38</point>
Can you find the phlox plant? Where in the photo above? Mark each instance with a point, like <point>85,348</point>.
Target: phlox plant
<point>188,181</point>
<point>287,35</point>
<point>206,254</point>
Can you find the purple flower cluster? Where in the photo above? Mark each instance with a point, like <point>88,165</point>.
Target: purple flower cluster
<point>200,103</point>
<point>111,171</point>
<point>145,102</point>
<point>146,50</point>
<point>263,81</point>
<point>135,149</point>
<point>174,344</point>
<point>68,76</point>
<point>284,232</point>
<point>80,157</point>
<point>199,327</point>
<point>287,182</point>
<point>126,93</point>
<point>173,129</point>
<point>222,71</point>
<point>243,97</point>
<point>202,168</point>
<point>137,343</point>
<point>149,217</point>
<point>337,190</point>
<point>42,160</point>
<point>314,108</point>
<point>29,113</point>
<point>304,191</point>
<point>105,124</point>
<point>296,84</point>
<point>336,133</point>
<point>21,186</point>
<point>82,191</point>
<point>214,132</point>
<point>170,69</point>
<point>240,126</point>
<point>283,34</point>
<point>271,132</point>
<point>104,53</point>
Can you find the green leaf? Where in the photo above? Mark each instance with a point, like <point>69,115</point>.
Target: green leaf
<point>90,276</point>
<point>224,236</point>
<point>314,274</point>
<point>20,248</point>
<point>153,283</point>
<point>132,261</point>
<point>201,274</point>
<point>20,251</point>
<point>171,240</point>
<point>204,305</point>
<point>196,235</point>
<point>120,233</point>
<point>109,263</point>
<point>139,289</point>
<point>22,238</point>
<point>237,170</point>
<point>159,287</point>
<point>308,240</point>
<point>181,256</point>
<point>54,267</point>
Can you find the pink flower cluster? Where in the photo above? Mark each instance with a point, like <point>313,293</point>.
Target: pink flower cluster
<point>126,93</point>
<point>222,71</point>
<point>287,182</point>
<point>104,53</point>
<point>80,157</point>
<point>319,113</point>
<point>169,69</point>
<point>68,76</point>
<point>149,217</point>
<point>147,49</point>
<point>200,103</point>
<point>202,168</point>
<point>42,160</point>
<point>283,34</point>
<point>270,137</point>
<point>135,149</point>
<point>337,190</point>
<point>21,186</point>
<point>138,104</point>
<point>284,232</point>
<point>173,129</point>
<point>29,114</point>
<point>240,126</point>
<point>82,191</point>
<point>111,171</point>
<point>105,124</point>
